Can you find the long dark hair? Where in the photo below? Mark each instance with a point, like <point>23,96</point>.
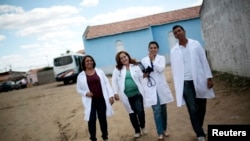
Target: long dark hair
<point>118,60</point>
<point>83,61</point>
<point>153,42</point>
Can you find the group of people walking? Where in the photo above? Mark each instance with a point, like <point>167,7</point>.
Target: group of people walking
<point>141,85</point>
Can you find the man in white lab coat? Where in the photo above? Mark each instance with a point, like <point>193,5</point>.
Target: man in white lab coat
<point>192,78</point>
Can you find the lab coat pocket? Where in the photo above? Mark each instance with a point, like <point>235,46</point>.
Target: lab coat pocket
<point>201,86</point>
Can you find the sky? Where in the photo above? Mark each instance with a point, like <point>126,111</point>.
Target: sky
<point>33,32</point>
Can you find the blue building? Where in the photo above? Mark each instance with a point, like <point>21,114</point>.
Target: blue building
<point>104,41</point>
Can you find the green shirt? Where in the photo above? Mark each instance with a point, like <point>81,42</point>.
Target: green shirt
<point>130,86</point>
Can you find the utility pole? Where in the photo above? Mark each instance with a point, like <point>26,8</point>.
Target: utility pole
<point>10,68</point>
<point>47,60</point>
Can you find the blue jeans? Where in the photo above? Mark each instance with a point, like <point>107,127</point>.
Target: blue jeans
<point>98,107</point>
<point>196,108</point>
<point>138,117</point>
<point>160,116</point>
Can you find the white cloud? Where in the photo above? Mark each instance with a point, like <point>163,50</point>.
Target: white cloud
<point>125,14</point>
<point>195,3</point>
<point>2,37</point>
<point>8,9</point>
<point>89,3</point>
<point>58,34</point>
<point>8,61</point>
<point>41,20</point>
<point>30,46</point>
<point>52,26</point>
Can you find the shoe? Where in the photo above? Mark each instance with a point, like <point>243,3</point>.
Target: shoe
<point>144,131</point>
<point>137,135</point>
<point>166,134</point>
<point>201,138</point>
<point>160,137</point>
<point>105,140</point>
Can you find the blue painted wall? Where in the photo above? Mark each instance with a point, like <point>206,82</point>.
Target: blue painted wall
<point>160,34</point>
<point>103,49</point>
<point>136,42</point>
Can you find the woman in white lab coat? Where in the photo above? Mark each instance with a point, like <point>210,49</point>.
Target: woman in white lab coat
<point>97,96</point>
<point>158,93</point>
<point>127,79</point>
<point>192,78</point>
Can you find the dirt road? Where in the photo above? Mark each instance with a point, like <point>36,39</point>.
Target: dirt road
<point>54,112</point>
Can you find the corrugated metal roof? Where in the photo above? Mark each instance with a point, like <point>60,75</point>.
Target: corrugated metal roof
<point>141,23</point>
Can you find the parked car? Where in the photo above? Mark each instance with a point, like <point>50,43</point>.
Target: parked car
<point>17,85</point>
<point>22,83</point>
<point>8,86</point>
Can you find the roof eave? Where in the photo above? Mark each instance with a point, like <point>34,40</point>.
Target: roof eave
<point>88,38</point>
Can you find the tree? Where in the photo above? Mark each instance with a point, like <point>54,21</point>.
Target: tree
<point>67,52</point>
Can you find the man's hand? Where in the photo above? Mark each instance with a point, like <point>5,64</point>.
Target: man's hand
<point>210,83</point>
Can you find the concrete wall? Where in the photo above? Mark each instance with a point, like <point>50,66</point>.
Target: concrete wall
<point>226,32</point>
<point>45,77</point>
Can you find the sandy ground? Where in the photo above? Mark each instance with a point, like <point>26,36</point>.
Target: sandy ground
<point>54,112</point>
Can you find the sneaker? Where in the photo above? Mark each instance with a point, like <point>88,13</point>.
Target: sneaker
<point>137,135</point>
<point>166,134</point>
<point>160,137</point>
<point>144,131</point>
<point>201,138</point>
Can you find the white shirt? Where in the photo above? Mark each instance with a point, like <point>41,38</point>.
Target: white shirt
<point>187,62</point>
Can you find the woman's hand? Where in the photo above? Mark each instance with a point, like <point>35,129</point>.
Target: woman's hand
<point>117,97</point>
<point>145,75</point>
<point>151,56</point>
<point>89,94</point>
<point>111,100</point>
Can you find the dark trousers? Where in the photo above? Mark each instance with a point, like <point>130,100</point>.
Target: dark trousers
<point>98,109</point>
<point>196,107</point>
<point>138,117</point>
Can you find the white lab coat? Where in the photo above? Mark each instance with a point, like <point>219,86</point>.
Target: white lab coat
<point>118,83</point>
<point>199,67</point>
<point>161,87</point>
<point>82,89</point>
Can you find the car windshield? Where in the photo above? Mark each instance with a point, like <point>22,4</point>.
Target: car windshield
<point>61,61</point>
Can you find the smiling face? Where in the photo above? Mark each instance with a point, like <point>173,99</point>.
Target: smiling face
<point>153,49</point>
<point>124,59</point>
<point>89,63</point>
